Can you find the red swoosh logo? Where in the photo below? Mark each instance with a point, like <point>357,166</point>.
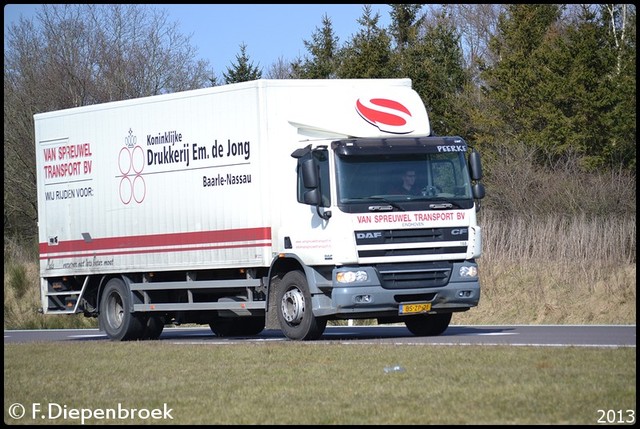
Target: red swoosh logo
<point>378,117</point>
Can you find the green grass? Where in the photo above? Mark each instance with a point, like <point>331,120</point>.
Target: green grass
<point>312,383</point>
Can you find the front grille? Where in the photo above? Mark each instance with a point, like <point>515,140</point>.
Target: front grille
<point>415,275</point>
<point>419,235</point>
<point>411,252</point>
<point>385,242</point>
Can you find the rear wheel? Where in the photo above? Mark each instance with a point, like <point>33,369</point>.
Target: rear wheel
<point>153,327</point>
<point>115,317</point>
<point>295,313</point>
<point>428,325</point>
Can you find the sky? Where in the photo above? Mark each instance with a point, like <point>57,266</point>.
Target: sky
<point>269,31</point>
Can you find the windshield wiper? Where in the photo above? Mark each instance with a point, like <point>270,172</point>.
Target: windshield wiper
<point>380,208</point>
<point>439,204</point>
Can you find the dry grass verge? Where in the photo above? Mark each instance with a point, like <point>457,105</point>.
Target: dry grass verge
<point>554,270</point>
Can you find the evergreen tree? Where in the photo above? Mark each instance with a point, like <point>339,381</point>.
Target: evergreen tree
<point>620,23</point>
<point>514,81</point>
<point>578,97</point>
<point>560,86</point>
<point>599,82</point>
<point>368,54</point>
<point>243,70</point>
<point>403,27</point>
<point>323,48</point>
<point>434,62</point>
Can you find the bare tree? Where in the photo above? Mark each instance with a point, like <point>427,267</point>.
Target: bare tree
<point>80,54</point>
<point>618,15</point>
<point>477,24</point>
<point>281,69</point>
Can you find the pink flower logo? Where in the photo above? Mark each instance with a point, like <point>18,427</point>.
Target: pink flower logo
<point>131,157</point>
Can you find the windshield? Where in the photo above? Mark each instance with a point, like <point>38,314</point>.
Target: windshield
<point>403,178</point>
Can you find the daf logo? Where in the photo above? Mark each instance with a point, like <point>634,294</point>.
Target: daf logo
<point>459,231</point>
<point>365,235</point>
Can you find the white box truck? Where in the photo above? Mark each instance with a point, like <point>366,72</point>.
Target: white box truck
<point>273,204</point>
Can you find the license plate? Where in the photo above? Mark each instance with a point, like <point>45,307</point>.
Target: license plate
<point>415,308</point>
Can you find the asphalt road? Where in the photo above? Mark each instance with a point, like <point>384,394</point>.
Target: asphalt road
<point>513,335</point>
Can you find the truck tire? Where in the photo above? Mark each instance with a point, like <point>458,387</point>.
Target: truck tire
<point>237,326</point>
<point>428,325</point>
<point>295,313</point>
<point>115,313</point>
<point>153,328</point>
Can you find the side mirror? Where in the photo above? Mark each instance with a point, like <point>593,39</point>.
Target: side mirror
<point>312,197</point>
<point>478,191</point>
<point>475,165</point>
<point>309,174</point>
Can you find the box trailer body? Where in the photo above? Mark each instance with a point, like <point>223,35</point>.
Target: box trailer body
<point>256,204</point>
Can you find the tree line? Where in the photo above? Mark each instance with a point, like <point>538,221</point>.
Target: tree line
<point>545,91</point>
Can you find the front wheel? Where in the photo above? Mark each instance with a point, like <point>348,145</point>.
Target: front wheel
<point>115,317</point>
<point>295,312</point>
<point>428,325</point>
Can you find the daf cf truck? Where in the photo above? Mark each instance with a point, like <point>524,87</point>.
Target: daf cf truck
<point>270,204</point>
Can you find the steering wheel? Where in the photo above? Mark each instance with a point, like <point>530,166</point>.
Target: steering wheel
<point>430,191</point>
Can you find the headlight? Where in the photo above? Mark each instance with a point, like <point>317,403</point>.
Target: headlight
<point>352,276</point>
<point>468,271</point>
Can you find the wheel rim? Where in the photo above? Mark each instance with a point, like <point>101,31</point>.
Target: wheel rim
<point>292,306</point>
<point>115,310</point>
